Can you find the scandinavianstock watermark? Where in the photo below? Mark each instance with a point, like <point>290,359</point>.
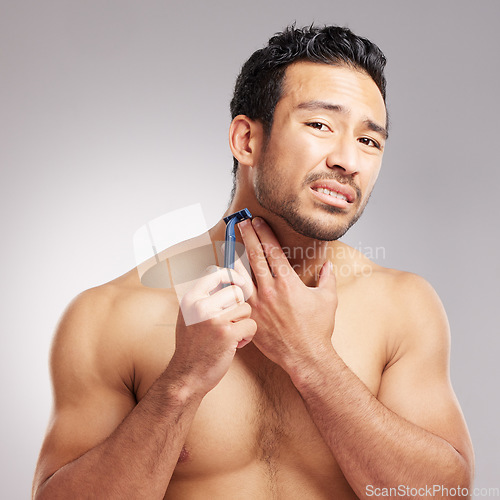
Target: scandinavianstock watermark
<point>308,261</point>
<point>435,490</point>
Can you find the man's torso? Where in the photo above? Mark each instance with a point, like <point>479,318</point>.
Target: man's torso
<point>252,437</point>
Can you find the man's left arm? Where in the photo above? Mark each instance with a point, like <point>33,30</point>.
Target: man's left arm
<point>412,435</point>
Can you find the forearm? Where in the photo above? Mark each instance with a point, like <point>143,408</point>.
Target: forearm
<point>373,445</point>
<point>137,460</point>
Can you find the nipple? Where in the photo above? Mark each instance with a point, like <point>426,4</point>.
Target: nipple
<point>184,456</point>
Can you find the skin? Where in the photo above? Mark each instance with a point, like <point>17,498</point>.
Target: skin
<point>318,375</point>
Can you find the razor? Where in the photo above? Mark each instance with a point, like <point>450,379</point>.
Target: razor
<point>230,241</point>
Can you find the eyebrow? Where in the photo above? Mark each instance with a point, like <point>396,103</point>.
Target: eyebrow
<point>339,108</point>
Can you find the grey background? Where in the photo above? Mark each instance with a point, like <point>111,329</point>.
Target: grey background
<point>115,112</point>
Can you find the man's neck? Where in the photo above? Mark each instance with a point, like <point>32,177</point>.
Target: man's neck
<point>306,255</point>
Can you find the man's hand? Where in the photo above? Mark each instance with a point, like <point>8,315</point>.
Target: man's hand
<point>295,322</point>
<point>212,323</point>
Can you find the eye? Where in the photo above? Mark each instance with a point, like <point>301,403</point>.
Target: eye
<point>369,142</point>
<point>318,126</point>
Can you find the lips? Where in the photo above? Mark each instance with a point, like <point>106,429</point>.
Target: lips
<point>335,190</point>
<point>331,193</point>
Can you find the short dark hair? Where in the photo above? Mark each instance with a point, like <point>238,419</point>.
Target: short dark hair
<point>259,85</point>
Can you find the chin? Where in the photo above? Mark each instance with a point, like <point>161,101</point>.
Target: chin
<point>323,231</point>
<point>324,222</point>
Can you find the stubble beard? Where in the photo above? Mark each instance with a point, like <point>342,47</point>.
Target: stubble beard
<point>270,194</point>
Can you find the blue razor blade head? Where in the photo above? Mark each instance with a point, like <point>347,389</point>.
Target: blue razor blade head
<point>239,216</point>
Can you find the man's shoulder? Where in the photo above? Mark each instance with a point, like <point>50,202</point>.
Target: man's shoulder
<point>114,329</point>
<point>404,286</point>
<point>401,306</point>
<point>357,266</point>
<point>116,311</point>
<point>403,296</point>
<point>408,291</point>
<point>125,295</point>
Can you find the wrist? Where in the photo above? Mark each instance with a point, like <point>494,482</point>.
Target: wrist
<point>312,367</point>
<point>182,388</point>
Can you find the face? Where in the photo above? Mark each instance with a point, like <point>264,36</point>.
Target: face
<point>325,149</point>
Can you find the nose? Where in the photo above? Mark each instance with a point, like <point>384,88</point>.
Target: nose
<point>343,155</point>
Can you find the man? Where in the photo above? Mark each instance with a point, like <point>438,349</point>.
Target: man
<point>295,383</point>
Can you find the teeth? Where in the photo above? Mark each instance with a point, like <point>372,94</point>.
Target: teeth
<point>331,193</point>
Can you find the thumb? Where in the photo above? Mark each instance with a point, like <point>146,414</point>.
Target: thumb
<point>327,276</point>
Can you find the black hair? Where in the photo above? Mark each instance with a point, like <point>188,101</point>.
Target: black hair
<point>259,85</point>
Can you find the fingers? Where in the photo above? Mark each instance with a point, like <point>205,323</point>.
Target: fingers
<point>327,280</point>
<point>214,278</point>
<point>248,286</point>
<point>225,298</point>
<point>264,252</point>
<point>244,331</point>
<point>275,256</point>
<point>237,312</point>
<point>207,299</point>
<point>255,252</point>
<point>327,276</point>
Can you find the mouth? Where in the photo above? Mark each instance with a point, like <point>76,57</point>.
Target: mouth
<point>329,192</point>
<point>334,193</point>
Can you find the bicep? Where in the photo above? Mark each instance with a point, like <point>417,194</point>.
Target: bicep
<point>88,405</point>
<point>416,383</point>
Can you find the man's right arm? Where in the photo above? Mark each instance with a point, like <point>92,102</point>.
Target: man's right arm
<point>100,443</point>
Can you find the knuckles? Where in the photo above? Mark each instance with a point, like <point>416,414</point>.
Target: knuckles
<point>224,330</point>
<point>246,309</point>
<point>238,292</point>
<point>267,293</point>
<point>251,327</point>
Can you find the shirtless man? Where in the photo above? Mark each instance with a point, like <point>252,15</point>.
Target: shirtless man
<point>321,384</point>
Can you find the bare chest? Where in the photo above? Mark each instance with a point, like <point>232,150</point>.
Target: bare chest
<point>255,417</point>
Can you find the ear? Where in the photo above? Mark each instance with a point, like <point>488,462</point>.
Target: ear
<point>245,139</point>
